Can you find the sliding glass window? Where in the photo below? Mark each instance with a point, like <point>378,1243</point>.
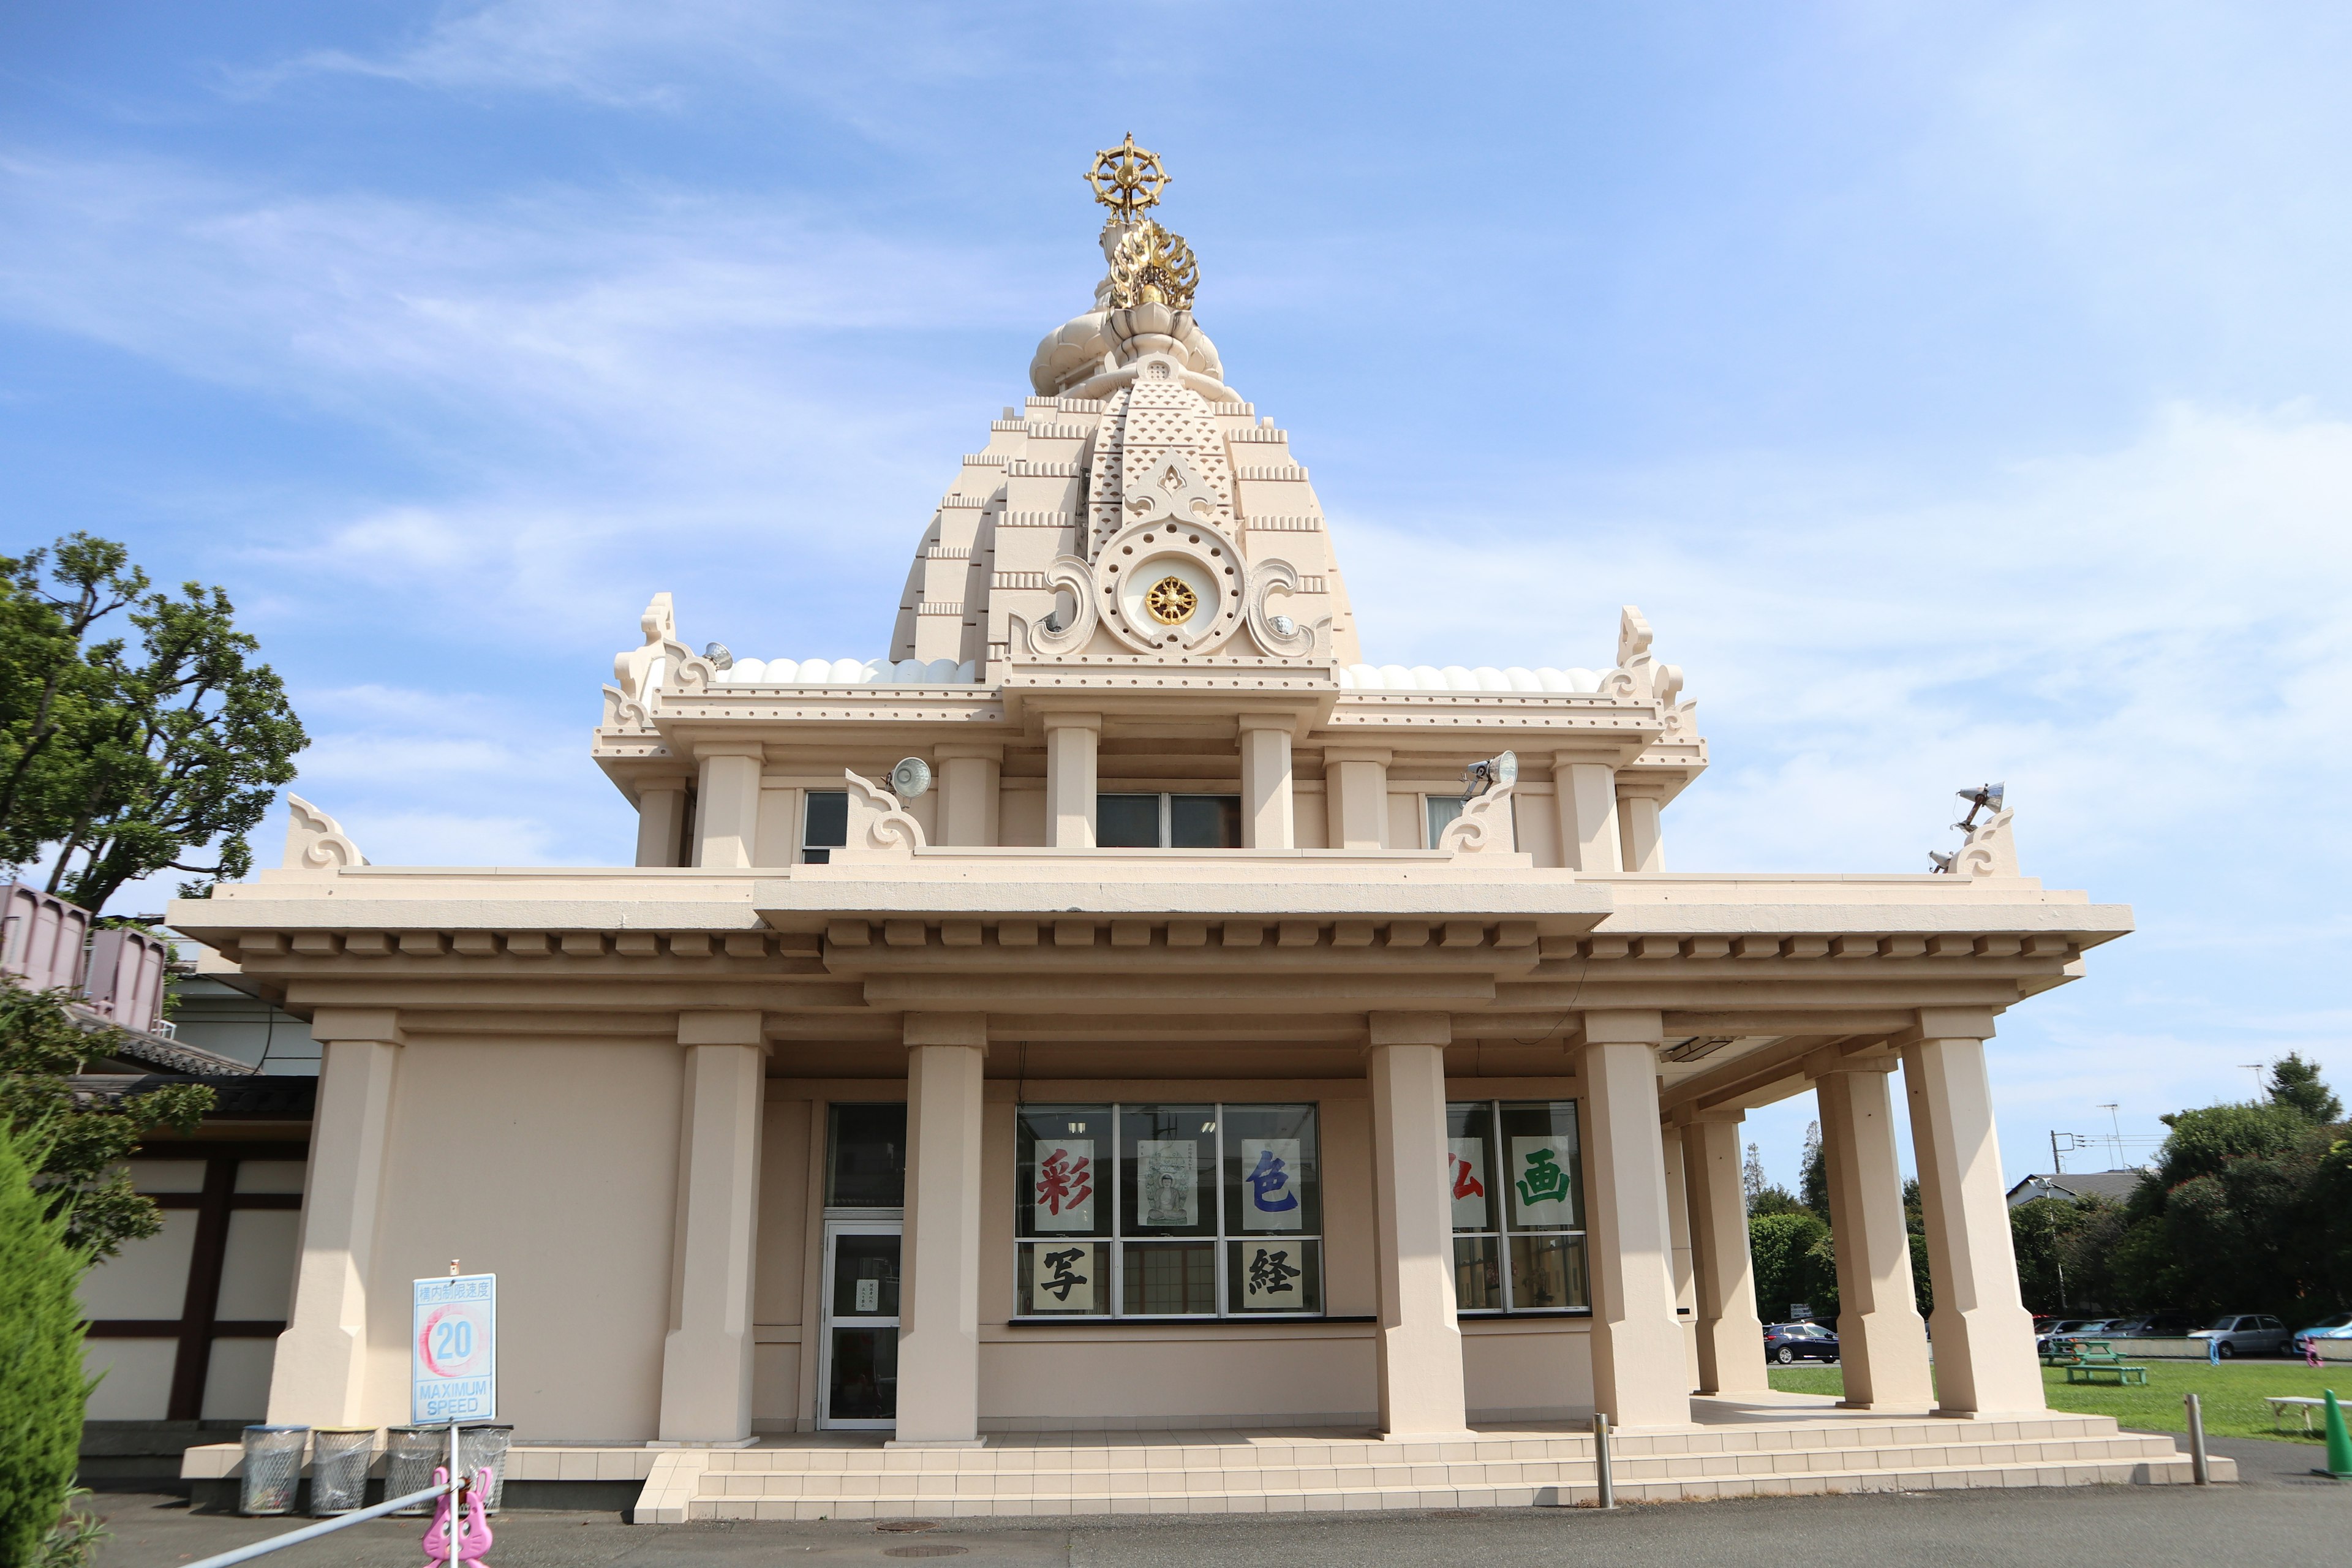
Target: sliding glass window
<point>1168,1211</point>
<point>1516,1182</point>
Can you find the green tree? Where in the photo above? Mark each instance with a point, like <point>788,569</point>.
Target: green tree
<point>42,1387</point>
<point>2242,1212</point>
<point>1794,1261</point>
<point>1774,1199</point>
<point>2296,1083</point>
<point>74,1141</point>
<point>1814,1174</point>
<point>123,760</point>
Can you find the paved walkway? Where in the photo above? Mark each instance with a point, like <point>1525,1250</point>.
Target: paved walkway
<point>2277,1514</point>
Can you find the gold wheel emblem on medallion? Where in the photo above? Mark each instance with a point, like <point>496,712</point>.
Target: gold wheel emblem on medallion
<point>1172,601</point>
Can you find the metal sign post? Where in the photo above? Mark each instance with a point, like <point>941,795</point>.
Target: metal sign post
<point>453,1370</point>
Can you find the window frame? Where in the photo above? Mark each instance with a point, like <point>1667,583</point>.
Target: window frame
<point>1111,1232</point>
<point>1500,1231</point>
<point>821,854</point>
<point>1167,799</point>
<point>1433,830</point>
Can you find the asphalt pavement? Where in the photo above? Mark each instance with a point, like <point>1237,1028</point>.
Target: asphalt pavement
<point>2278,1513</point>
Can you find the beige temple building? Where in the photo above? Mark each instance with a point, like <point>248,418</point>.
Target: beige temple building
<point>1122,1051</point>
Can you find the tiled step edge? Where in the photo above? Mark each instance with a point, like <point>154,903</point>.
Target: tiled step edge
<point>2091,1472</point>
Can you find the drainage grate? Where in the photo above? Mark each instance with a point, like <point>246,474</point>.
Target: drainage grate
<point>902,1525</point>
<point>928,1550</point>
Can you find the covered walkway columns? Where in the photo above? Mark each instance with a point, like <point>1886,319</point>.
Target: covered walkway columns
<point>706,1396</point>
<point>1730,1338</point>
<point>938,1286</point>
<point>1882,1340</point>
<point>1639,1375</point>
<point>318,1377</point>
<point>1420,1384</point>
<point>1984,1336</point>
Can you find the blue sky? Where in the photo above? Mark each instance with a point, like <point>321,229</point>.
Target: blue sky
<point>1963,393</point>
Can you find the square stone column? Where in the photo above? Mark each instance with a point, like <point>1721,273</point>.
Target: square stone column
<point>1730,1338</point>
<point>1678,1228</point>
<point>727,805</point>
<point>1585,793</point>
<point>706,1398</point>
<point>1071,740</point>
<point>1267,820</point>
<point>1638,1378</point>
<point>661,821</point>
<point>1420,1344</point>
<point>1983,1334</point>
<point>938,1269</point>
<point>319,1375</point>
<point>1882,1338</point>
<point>1356,786</point>
<point>970,781</point>
<point>1640,818</point>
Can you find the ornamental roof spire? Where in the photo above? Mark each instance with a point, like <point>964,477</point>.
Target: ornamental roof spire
<point>1149,264</point>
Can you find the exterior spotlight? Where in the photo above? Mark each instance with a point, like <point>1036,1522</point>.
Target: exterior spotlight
<point>1495,772</point>
<point>910,778</point>
<point>1282,626</point>
<point>719,657</point>
<point>1942,863</point>
<point>1984,797</point>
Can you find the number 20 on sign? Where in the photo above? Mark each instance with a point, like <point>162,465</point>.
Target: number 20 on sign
<point>453,1349</point>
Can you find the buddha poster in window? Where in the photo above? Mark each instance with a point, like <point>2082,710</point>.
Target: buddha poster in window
<point>1167,1178</point>
<point>1064,1196</point>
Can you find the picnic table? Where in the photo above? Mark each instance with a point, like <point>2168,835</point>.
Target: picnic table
<point>2301,1404</point>
<point>2065,1352</point>
<point>2095,1360</point>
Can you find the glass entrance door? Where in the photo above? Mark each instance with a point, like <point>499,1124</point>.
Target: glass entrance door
<point>859,1347</point>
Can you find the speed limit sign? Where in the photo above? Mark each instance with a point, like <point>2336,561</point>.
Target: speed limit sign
<point>453,1349</point>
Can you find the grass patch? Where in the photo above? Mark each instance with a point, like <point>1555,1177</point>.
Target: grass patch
<point>2232,1394</point>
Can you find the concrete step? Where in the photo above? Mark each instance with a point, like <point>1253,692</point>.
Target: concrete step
<point>1233,1500</point>
<point>1313,1472</point>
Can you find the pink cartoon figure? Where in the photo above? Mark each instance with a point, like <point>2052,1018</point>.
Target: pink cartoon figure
<point>474,1538</point>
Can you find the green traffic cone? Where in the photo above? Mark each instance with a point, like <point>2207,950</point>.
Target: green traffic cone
<point>2339,1442</point>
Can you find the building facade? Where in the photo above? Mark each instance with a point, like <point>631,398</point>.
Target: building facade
<point>1126,1009</point>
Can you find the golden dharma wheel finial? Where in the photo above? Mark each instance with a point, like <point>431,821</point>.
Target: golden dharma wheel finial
<point>1127,179</point>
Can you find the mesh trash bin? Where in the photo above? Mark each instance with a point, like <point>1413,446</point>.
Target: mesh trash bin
<point>484,1447</point>
<point>338,1467</point>
<point>411,1455</point>
<point>273,1467</point>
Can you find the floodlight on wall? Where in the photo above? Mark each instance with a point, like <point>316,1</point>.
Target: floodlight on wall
<point>1282,626</point>
<point>1942,864</point>
<point>1495,773</point>
<point>719,657</point>
<point>1984,797</point>
<point>910,778</point>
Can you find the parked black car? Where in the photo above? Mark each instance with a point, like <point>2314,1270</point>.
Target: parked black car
<point>1786,1342</point>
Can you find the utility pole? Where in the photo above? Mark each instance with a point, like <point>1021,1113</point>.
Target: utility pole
<point>2115,1121</point>
<point>2057,1166</point>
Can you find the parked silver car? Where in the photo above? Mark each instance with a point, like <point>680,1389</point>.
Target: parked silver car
<point>2243,1333</point>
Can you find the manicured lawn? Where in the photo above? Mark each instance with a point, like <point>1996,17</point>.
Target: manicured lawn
<point>2231,1395</point>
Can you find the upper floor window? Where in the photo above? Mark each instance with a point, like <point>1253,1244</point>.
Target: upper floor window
<point>824,824</point>
<point>1168,821</point>
<point>1443,810</point>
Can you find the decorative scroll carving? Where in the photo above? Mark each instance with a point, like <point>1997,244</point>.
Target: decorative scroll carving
<point>1483,828</point>
<point>685,673</point>
<point>1048,639</point>
<point>1638,677</point>
<point>1265,579</point>
<point>623,712</point>
<point>1990,850</point>
<point>315,841</point>
<point>879,827</point>
<point>631,666</point>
